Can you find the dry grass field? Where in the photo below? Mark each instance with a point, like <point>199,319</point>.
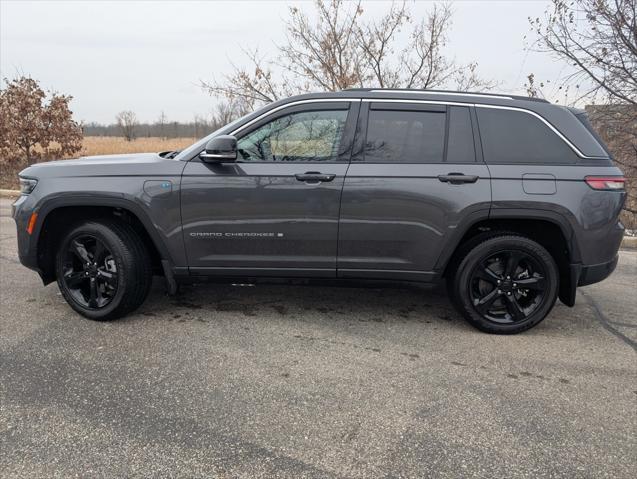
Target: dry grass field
<point>108,145</point>
<point>105,145</point>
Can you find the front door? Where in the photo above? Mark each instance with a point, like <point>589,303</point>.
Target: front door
<point>273,212</point>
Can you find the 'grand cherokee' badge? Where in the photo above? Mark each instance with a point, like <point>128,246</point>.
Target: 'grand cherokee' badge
<point>215,235</point>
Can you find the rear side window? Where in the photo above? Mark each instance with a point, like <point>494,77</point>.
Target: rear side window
<point>405,136</point>
<point>517,137</point>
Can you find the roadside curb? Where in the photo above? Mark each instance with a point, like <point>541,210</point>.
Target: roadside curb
<point>629,242</point>
<point>9,193</point>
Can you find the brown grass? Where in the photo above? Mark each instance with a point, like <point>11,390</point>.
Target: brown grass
<point>108,145</point>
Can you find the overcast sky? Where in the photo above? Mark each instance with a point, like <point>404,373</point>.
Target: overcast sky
<point>149,56</point>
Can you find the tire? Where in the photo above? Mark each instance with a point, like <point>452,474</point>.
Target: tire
<point>103,269</point>
<point>504,283</point>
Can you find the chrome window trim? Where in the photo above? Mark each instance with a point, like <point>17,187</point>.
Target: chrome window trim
<point>432,102</point>
<point>294,103</point>
<point>497,107</point>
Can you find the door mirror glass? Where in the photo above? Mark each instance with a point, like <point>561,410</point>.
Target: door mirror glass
<point>219,149</point>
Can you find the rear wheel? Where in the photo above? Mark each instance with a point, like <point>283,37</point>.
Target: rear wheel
<point>103,269</point>
<point>505,284</point>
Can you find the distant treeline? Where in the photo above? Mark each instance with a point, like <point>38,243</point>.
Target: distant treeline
<point>174,129</point>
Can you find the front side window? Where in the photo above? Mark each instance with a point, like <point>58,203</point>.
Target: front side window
<point>518,137</point>
<point>405,136</point>
<point>303,136</point>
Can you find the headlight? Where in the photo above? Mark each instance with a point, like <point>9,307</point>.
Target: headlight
<point>27,185</point>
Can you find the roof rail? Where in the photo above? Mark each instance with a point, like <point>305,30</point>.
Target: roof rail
<point>447,92</point>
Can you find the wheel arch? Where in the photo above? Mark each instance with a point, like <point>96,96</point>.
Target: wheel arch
<point>549,229</point>
<point>56,214</point>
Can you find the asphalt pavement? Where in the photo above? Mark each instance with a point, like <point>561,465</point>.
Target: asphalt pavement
<point>298,381</point>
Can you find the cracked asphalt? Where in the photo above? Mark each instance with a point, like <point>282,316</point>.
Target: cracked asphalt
<point>295,381</point>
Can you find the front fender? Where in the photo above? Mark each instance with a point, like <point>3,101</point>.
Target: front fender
<point>156,231</point>
<point>156,208</point>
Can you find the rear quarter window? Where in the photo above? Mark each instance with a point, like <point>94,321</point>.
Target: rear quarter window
<point>520,138</point>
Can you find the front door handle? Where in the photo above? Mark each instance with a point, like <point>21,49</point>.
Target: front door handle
<point>314,177</point>
<point>458,178</point>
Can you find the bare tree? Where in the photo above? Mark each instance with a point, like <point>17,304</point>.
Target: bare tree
<point>31,128</point>
<point>598,38</point>
<point>201,127</point>
<point>342,49</point>
<point>127,122</point>
<point>226,111</point>
<point>161,124</point>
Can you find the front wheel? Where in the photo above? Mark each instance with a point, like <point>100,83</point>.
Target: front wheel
<point>103,269</point>
<point>505,284</point>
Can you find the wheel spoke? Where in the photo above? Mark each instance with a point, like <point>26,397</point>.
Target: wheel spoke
<point>487,301</point>
<point>73,279</point>
<point>514,309</point>
<point>536,283</point>
<point>98,254</point>
<point>94,294</point>
<point>487,274</point>
<point>512,262</point>
<point>80,250</point>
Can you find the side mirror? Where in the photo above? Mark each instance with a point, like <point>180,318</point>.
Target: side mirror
<point>219,149</point>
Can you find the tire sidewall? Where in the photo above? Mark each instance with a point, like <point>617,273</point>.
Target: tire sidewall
<point>462,285</point>
<point>112,242</point>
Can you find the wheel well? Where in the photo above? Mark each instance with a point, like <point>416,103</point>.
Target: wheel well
<point>61,219</point>
<point>546,233</point>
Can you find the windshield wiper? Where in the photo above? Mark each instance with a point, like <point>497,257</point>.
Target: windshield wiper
<point>169,154</point>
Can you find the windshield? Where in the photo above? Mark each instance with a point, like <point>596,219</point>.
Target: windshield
<point>199,146</point>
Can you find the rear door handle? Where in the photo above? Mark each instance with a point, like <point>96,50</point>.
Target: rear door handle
<point>458,178</point>
<point>314,176</point>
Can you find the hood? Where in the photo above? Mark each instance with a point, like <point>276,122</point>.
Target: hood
<point>103,165</point>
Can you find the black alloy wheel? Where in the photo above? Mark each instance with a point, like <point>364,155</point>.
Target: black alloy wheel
<point>509,286</point>
<point>90,273</point>
<point>503,283</point>
<point>103,268</point>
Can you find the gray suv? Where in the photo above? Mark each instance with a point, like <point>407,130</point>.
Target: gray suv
<point>514,202</point>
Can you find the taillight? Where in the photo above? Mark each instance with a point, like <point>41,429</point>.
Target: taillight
<point>613,183</point>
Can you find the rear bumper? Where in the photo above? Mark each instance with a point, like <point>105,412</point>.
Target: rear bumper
<point>590,274</point>
<point>582,275</point>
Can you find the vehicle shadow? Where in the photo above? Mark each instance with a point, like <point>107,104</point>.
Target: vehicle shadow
<point>344,305</point>
<point>390,303</point>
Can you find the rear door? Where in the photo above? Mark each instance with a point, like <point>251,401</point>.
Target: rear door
<point>414,179</point>
<point>274,211</point>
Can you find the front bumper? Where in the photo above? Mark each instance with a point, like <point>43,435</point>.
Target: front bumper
<point>21,211</point>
